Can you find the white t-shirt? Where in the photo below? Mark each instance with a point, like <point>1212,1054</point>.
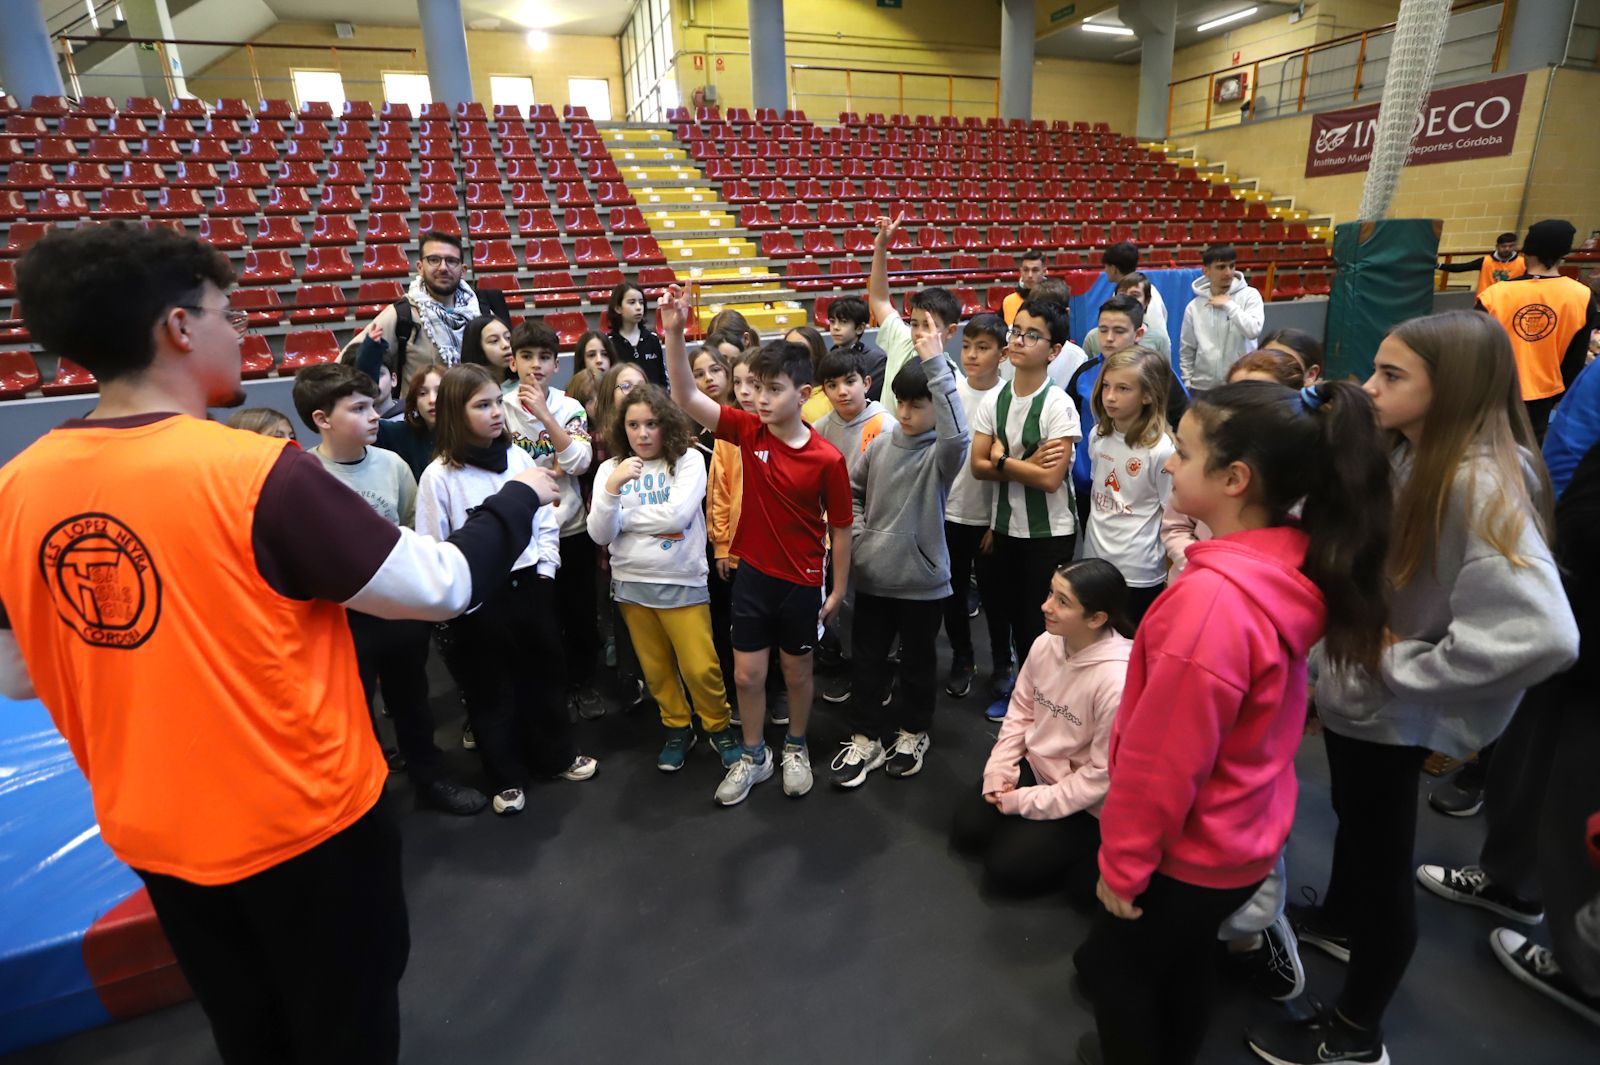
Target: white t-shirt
<point>1128,491</point>
<point>1061,368</point>
<point>971,501</point>
<point>1018,510</point>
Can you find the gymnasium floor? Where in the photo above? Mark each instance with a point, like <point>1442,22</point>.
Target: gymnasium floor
<point>629,919</point>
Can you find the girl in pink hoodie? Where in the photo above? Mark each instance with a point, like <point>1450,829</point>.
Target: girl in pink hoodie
<point>1036,824</point>
<point>1202,752</point>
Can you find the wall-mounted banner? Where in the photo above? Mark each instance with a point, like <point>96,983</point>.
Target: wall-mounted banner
<point>1462,122</point>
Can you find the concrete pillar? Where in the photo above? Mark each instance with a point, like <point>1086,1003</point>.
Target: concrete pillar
<point>1156,23</point>
<point>1539,34</point>
<point>27,63</point>
<point>769,75</point>
<point>444,46</point>
<point>1016,59</point>
<point>149,18</point>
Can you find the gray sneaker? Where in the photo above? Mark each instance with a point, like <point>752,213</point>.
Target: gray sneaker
<point>743,775</point>
<point>796,770</point>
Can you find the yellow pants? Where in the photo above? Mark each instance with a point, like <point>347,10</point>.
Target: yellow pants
<point>675,651</point>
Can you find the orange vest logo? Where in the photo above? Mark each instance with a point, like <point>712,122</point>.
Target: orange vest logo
<point>1534,322</point>
<point>103,580</point>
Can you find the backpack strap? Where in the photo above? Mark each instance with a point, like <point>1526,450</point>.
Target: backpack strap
<point>404,326</point>
<point>493,301</point>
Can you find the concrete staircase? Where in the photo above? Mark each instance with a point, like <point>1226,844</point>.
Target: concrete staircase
<point>699,234</point>
<point>1248,189</point>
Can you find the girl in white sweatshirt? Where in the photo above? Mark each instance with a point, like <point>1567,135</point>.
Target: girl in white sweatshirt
<point>519,720</point>
<point>1036,825</point>
<point>646,509</point>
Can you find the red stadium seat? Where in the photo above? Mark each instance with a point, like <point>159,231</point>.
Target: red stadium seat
<point>573,195</point>
<point>506,283</point>
<point>358,109</point>
<point>142,107</point>
<point>178,203</point>
<point>258,150</point>
<point>351,149</point>
<point>308,294</point>
<point>140,175</point>
<point>642,251</point>
<point>70,380</point>
<point>308,347</point>
<point>568,326</point>
<point>488,224</point>
<point>160,150</point>
<point>594,251</point>
<point>546,252</point>
<point>601,282</point>
<point>247,175</point>
<point>255,357</point>
<point>757,216</point>
<point>263,304</point>
<point>439,198</point>
<point>613,194</point>
<point>345,172</point>
<point>22,236</point>
<point>235,201</point>
<point>266,268</point>
<point>299,174</point>
<point>375,295</point>
<point>12,206</point>
<point>820,244</point>
<point>627,220</point>
<point>392,172</point>
<point>340,199</point>
<point>97,106</point>
<point>276,109</point>
<point>439,222</point>
<point>390,198</point>
<point>536,222</point>
<point>387,229</point>
<point>193,175</point>
<point>493,255</point>
<point>485,195</point>
<point>528,194</point>
<point>394,149</point>
<point>224,233</point>
<point>656,279</point>
<point>30,176</point>
<point>231,107</point>
<point>556,279</point>
<point>61,204</point>
<point>19,375</point>
<point>581,221</point>
<point>288,200</point>
<point>395,111</point>
<point>328,264</point>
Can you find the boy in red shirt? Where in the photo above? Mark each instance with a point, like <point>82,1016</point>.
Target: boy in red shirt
<point>796,488</point>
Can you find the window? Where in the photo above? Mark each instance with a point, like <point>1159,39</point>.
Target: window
<point>648,61</point>
<point>325,85</point>
<point>510,91</point>
<point>591,93</point>
<point>404,88</point>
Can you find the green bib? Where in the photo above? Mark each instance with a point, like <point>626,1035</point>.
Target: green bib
<point>1034,502</point>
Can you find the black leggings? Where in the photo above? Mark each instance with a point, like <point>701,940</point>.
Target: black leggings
<point>1023,568</point>
<point>394,655</point>
<point>963,541</point>
<point>1023,857</point>
<point>512,675</point>
<point>1151,978</point>
<point>579,612</point>
<point>1371,896</point>
<point>299,963</point>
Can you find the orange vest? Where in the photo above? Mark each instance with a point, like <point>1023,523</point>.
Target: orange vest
<point>1492,271</point>
<point>221,726</point>
<point>1542,314</point>
<point>1010,306</point>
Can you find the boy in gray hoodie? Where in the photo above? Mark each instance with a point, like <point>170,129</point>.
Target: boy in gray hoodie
<point>1220,324</point>
<point>901,567</point>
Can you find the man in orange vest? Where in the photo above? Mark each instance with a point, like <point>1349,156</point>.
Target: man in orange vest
<point>1506,264</point>
<point>175,594</point>
<point>1030,271</point>
<point>1549,318</point>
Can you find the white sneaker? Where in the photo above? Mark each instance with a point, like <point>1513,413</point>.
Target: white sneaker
<point>796,770</point>
<point>743,775</point>
<point>582,768</point>
<point>905,760</point>
<point>860,756</point>
<point>509,801</point>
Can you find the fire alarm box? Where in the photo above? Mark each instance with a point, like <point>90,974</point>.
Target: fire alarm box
<point>1230,88</point>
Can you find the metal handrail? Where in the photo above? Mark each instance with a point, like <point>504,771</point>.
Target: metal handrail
<point>900,76</point>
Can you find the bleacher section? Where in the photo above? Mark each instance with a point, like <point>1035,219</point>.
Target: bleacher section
<point>320,213</point>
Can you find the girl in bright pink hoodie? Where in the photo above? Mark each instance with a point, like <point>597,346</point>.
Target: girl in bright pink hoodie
<point>1036,823</point>
<point>1202,752</point>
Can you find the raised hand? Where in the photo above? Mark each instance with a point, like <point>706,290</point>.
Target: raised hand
<point>629,469</point>
<point>888,227</point>
<point>675,307</point>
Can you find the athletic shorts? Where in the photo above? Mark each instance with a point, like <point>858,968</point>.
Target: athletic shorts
<point>772,612</point>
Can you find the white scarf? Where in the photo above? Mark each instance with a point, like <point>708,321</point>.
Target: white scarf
<point>444,325</point>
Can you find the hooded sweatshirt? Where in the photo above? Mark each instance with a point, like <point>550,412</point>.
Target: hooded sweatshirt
<point>1202,753</point>
<point>898,489</point>
<point>853,437</point>
<point>529,434</point>
<point>1475,631</point>
<point>1060,721</point>
<point>1214,338</point>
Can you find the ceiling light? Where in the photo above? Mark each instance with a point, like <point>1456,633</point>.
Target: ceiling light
<point>538,40</point>
<point>1115,31</point>
<point>1206,27</point>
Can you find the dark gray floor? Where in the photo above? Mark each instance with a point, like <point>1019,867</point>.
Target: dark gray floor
<point>628,918</point>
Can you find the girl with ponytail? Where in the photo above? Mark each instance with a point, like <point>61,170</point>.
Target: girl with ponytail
<point>1202,752</point>
<point>1478,616</point>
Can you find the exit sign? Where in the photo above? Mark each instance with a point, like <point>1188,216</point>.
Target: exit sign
<point>1063,12</point>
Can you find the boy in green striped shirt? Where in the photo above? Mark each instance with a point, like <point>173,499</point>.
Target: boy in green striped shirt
<point>1023,436</point>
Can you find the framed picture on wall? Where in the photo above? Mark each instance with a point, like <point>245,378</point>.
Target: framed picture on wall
<point>1230,88</point>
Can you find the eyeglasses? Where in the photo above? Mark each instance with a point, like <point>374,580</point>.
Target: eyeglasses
<point>240,320</point>
<point>443,260</point>
<point>626,386</point>
<point>1032,336</point>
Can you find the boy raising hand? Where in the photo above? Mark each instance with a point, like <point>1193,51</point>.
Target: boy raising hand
<point>792,478</point>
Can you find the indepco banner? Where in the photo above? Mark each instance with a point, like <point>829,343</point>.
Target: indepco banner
<point>1462,122</point>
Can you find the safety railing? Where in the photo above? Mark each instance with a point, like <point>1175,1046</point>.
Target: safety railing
<point>1333,73</point>
<point>221,82</point>
<point>863,89</point>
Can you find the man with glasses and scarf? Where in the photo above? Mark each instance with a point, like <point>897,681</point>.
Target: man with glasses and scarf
<point>426,326</point>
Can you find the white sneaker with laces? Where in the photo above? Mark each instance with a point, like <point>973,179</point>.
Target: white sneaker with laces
<point>743,775</point>
<point>796,770</point>
<point>582,768</point>
<point>509,801</point>
<point>859,756</point>
<point>905,759</point>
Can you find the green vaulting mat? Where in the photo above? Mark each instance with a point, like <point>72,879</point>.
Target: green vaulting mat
<point>1385,275</point>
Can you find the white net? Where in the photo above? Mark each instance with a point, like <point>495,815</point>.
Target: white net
<point>1418,37</point>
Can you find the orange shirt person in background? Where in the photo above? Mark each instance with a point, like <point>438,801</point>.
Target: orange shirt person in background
<point>176,599</point>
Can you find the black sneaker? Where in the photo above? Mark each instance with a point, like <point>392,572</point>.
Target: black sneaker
<point>1322,1039</point>
<point>1313,929</point>
<point>588,705</point>
<point>1001,681</point>
<point>778,708</point>
<point>1536,966</point>
<point>905,757</point>
<point>1472,885</point>
<point>454,798</point>
<point>837,692</point>
<point>1461,795</point>
<point>1272,969</point>
<point>960,682</point>
<point>973,602</point>
<point>860,755</point>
